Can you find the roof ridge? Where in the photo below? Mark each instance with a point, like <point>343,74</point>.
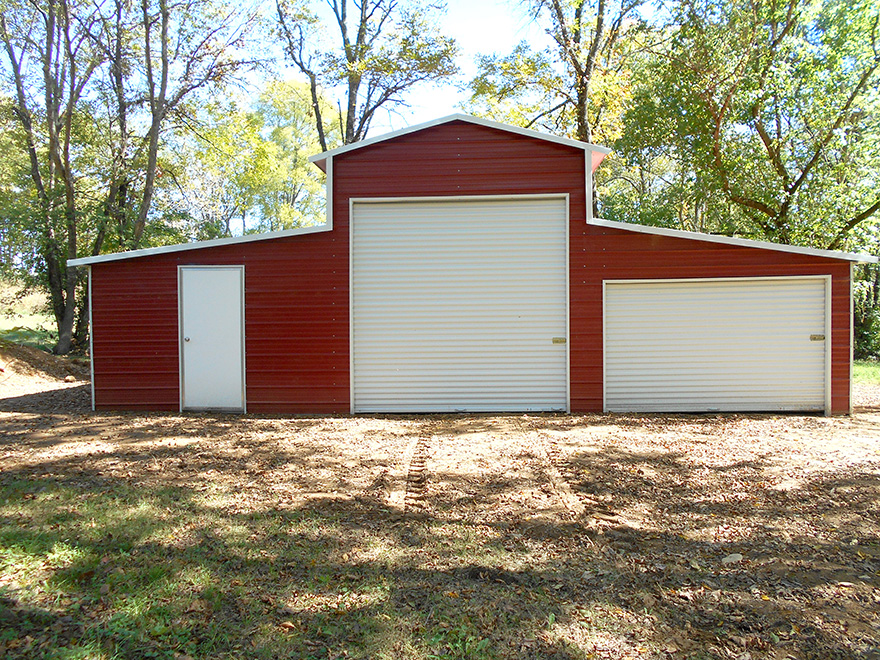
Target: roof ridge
<point>321,158</point>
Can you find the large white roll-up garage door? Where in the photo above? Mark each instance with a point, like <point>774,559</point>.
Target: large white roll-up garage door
<point>717,345</point>
<point>459,305</point>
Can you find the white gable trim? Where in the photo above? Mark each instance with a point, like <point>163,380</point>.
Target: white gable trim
<point>729,240</point>
<point>217,242</point>
<point>319,159</point>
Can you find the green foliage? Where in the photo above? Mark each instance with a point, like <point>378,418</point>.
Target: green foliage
<point>518,87</point>
<point>580,86</point>
<point>758,119</point>
<point>866,312</point>
<point>93,93</point>
<point>462,643</point>
<point>248,170</point>
<point>19,254</point>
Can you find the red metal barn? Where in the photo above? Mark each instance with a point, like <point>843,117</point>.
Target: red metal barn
<point>460,270</point>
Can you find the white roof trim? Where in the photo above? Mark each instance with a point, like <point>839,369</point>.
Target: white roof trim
<point>729,240</point>
<point>198,245</point>
<point>318,159</point>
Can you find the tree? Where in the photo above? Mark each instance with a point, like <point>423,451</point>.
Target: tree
<point>576,87</point>
<point>383,49</point>
<point>293,193</point>
<point>580,85</point>
<point>652,178</point>
<point>250,161</point>
<point>52,39</point>
<point>158,58</point>
<point>18,245</point>
<point>773,106</point>
<point>85,75</point>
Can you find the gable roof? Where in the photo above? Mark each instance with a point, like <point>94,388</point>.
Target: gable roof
<point>598,153</point>
<point>732,240</point>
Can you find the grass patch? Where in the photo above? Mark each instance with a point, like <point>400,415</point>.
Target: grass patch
<point>107,570</point>
<point>866,371</point>
<point>24,318</point>
<point>38,336</point>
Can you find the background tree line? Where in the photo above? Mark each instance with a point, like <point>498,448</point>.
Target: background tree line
<point>134,124</point>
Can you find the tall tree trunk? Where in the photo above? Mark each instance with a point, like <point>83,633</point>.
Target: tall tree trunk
<point>81,333</point>
<point>158,109</point>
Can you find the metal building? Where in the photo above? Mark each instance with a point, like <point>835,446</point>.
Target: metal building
<point>460,269</point>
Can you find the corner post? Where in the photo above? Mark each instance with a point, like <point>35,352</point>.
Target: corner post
<point>588,183</point>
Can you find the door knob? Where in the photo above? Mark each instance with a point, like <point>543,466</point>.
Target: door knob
<point>186,339</point>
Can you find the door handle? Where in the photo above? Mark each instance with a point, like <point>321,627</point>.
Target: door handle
<point>186,339</point>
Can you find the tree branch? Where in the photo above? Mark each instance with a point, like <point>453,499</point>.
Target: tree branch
<point>851,224</point>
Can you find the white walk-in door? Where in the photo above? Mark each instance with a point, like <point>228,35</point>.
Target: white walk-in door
<point>459,305</point>
<point>717,345</point>
<point>211,337</point>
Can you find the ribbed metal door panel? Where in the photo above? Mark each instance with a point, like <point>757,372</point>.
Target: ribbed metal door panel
<point>715,345</point>
<point>455,305</point>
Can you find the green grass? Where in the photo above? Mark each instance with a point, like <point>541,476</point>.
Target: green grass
<point>35,336</point>
<point>866,371</point>
<point>113,571</point>
<point>23,317</point>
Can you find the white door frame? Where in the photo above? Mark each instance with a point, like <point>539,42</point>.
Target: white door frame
<point>825,278</point>
<point>566,197</point>
<point>180,339</point>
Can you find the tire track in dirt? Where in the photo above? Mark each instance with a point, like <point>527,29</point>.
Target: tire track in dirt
<point>417,474</point>
<point>549,455</point>
<point>412,478</point>
<point>579,505</point>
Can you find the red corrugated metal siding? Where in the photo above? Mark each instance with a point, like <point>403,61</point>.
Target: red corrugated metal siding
<point>459,159</point>
<point>296,325</point>
<point>296,316</point>
<point>609,254</point>
<point>462,159</point>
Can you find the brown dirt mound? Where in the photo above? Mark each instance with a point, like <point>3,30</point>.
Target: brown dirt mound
<point>19,360</point>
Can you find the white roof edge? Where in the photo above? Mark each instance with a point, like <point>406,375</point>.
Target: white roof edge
<point>731,240</point>
<point>198,245</point>
<point>586,146</point>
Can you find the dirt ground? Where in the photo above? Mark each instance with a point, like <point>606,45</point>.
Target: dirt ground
<point>714,536</point>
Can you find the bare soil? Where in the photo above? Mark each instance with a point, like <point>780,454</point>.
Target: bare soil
<point>705,536</point>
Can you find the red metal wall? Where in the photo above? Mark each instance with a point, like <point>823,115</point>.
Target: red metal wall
<point>296,289</point>
<point>599,254</point>
<point>296,325</point>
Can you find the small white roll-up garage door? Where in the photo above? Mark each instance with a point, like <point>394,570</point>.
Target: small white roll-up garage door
<point>717,345</point>
<point>459,305</point>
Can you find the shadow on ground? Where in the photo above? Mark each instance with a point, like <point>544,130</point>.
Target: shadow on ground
<point>218,536</point>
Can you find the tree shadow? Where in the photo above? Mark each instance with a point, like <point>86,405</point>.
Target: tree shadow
<point>215,535</point>
<point>61,399</point>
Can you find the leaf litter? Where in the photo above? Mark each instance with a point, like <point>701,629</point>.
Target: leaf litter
<point>508,536</point>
